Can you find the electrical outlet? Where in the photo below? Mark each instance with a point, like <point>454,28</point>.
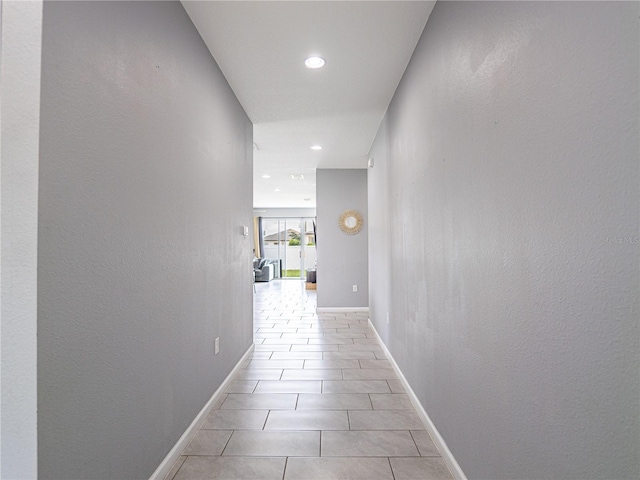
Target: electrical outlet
<point>216,346</point>
<point>355,288</point>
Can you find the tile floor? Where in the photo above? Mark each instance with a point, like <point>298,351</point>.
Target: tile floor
<point>316,400</point>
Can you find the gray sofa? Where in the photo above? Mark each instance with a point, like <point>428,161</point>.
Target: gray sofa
<point>263,270</point>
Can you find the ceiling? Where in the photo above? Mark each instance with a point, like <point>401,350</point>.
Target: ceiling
<point>261,46</point>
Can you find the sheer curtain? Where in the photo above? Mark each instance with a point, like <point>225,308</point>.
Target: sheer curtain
<point>257,236</point>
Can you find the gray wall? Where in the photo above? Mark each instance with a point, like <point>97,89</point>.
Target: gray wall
<point>342,259</point>
<point>504,223</point>
<point>145,182</point>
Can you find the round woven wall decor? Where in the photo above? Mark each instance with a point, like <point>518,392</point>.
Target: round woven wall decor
<point>350,222</point>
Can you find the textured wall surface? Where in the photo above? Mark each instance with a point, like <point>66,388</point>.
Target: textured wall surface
<point>20,30</point>
<point>342,259</point>
<point>504,215</point>
<point>145,182</point>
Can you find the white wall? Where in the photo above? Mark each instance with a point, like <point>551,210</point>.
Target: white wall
<point>284,212</point>
<point>504,209</point>
<point>145,182</point>
<point>21,29</point>
<point>342,259</point>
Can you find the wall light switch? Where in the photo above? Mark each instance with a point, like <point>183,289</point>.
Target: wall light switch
<point>245,231</point>
<point>355,288</point>
<point>216,346</point>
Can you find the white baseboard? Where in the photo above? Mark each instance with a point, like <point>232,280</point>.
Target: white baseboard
<point>342,309</point>
<point>165,466</point>
<point>446,454</point>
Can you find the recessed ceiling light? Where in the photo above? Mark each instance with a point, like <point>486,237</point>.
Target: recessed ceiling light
<point>266,176</point>
<point>277,190</point>
<point>316,147</point>
<point>297,176</point>
<point>314,62</point>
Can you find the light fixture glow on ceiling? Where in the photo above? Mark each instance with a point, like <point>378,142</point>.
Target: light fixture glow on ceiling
<point>266,176</point>
<point>316,147</point>
<point>297,176</point>
<point>314,62</point>
<point>277,190</point>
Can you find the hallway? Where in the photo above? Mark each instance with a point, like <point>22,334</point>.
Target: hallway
<point>317,399</point>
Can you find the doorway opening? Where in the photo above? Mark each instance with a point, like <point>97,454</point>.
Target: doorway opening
<point>291,242</point>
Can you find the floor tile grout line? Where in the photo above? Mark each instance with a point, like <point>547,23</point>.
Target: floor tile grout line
<point>391,468</point>
<point>264,425</point>
<point>226,443</point>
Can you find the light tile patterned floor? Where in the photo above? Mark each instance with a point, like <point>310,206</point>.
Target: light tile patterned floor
<point>317,400</point>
